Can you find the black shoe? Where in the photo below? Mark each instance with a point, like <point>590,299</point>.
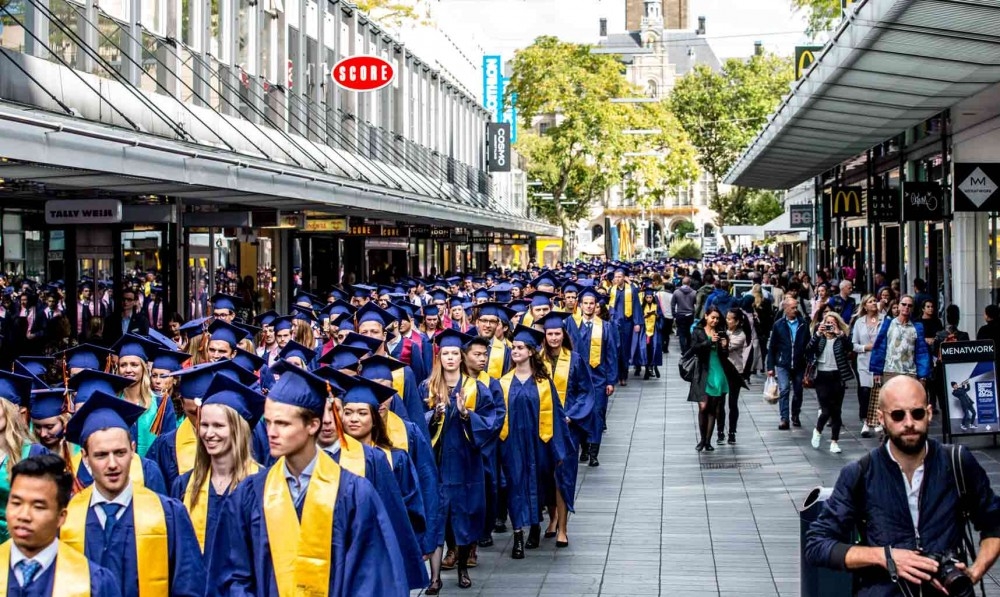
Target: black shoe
<point>721,437</point>
<point>796,422</point>
<point>550,534</point>
<point>434,588</point>
<point>464,582</point>
<point>648,374</point>
<point>500,527</point>
<point>622,382</point>
<point>486,542</point>
<point>534,537</point>
<point>517,551</point>
<point>732,439</point>
<point>656,372</point>
<point>638,371</point>
<point>561,544</point>
<point>783,425</point>
<point>595,449</point>
<point>700,446</point>
<point>709,447</point>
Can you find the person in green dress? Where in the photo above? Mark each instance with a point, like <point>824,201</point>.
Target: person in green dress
<point>134,354</point>
<point>709,385</point>
<point>15,444</point>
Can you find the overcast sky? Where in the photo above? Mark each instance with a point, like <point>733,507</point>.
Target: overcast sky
<point>502,26</point>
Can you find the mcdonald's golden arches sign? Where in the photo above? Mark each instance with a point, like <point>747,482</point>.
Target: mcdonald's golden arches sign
<point>804,58</point>
<point>845,202</point>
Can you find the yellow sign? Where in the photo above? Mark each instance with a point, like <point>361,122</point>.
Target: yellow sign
<point>846,202</point>
<point>804,58</point>
<point>326,225</point>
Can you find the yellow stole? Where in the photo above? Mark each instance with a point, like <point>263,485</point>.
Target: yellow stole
<point>596,339</point>
<point>301,560</point>
<point>527,318</point>
<point>395,428</point>
<point>152,555</point>
<point>388,456</point>
<point>398,381</point>
<point>496,361</point>
<point>199,513</point>
<point>134,468</point>
<point>72,578</point>
<point>561,374</point>
<point>649,321</point>
<point>471,391</point>
<point>627,289</point>
<point>186,442</point>
<point>546,411</point>
<point>352,456</point>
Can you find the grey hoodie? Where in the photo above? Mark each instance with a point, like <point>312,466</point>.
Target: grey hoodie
<point>683,302</point>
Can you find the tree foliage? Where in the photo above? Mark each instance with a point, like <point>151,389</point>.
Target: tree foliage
<point>683,228</point>
<point>583,151</point>
<point>391,13</point>
<point>684,249</point>
<point>823,15</point>
<point>742,206</point>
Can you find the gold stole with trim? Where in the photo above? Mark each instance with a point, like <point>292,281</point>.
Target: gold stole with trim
<point>627,289</point>
<point>199,514</point>
<point>471,392</point>
<point>560,376</point>
<point>497,353</point>
<point>596,340</point>
<point>395,428</point>
<point>352,456</point>
<point>398,381</point>
<point>152,554</point>
<point>546,410</point>
<point>72,576</point>
<point>300,551</point>
<point>186,446</point>
<point>650,322</point>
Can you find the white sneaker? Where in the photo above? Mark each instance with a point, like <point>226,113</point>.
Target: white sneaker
<point>834,448</point>
<point>817,436</point>
<point>866,431</point>
<point>878,429</point>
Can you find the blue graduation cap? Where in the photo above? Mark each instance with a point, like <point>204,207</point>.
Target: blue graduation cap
<point>337,307</point>
<point>481,294</point>
<point>102,411</point>
<point>169,360</point>
<point>46,404</point>
<point>298,387</point>
<point>399,311</point>
<point>193,382</point>
<point>249,331</point>
<point>495,310</point>
<point>541,298</point>
<point>455,301</point>
<point>571,287</point>
<point>90,381</point>
<point>225,301</point>
<point>15,388</point>
<point>307,300</point>
<point>86,356</point>
<point>282,323</point>
<point>545,278</point>
<point>361,390</point>
<point>226,332</point>
<point>451,338</point>
<point>165,342</point>
<point>439,295</point>
<point>344,322</point>
<point>362,291</point>
<point>304,313</point>
<point>359,341</point>
<point>372,312</point>
<point>529,336</point>
<point>131,345</point>
<point>519,306</point>
<point>248,360</point>
<point>431,311</point>
<point>294,349</point>
<point>588,291</point>
<point>343,357</point>
<point>266,318</point>
<point>554,320</point>
<point>379,367</point>
<point>339,294</point>
<point>195,326</point>
<point>247,403</point>
<point>36,365</point>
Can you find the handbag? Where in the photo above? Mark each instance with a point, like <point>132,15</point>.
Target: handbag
<point>873,406</point>
<point>809,377</point>
<point>688,365</point>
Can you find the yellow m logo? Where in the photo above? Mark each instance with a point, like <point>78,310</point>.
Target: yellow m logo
<point>846,202</point>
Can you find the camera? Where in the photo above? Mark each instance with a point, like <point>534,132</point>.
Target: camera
<point>954,580</point>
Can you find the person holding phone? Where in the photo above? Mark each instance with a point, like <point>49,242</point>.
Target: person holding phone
<point>830,348</point>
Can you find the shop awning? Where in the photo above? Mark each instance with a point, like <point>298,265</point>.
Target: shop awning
<point>891,65</point>
<point>782,223</point>
<point>752,231</point>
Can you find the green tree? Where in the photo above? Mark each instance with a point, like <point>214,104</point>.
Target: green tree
<point>823,14</point>
<point>685,227</point>
<point>764,207</point>
<point>391,13</point>
<point>684,249</point>
<point>583,151</point>
<point>741,206</point>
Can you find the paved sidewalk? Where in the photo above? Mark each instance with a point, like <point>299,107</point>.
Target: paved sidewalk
<point>657,517</point>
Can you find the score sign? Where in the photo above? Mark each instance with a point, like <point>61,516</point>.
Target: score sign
<point>800,216</point>
<point>363,73</point>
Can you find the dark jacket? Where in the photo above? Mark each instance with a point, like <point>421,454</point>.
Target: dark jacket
<point>702,345</point>
<point>783,350</point>
<point>842,349</point>
<point>888,515</point>
<point>921,355</point>
<point>991,331</point>
<point>722,300</point>
<point>683,304</point>
<point>138,324</point>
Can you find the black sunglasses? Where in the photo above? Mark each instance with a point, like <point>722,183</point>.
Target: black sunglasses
<point>918,414</point>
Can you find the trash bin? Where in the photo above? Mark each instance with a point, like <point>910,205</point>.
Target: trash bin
<point>815,581</point>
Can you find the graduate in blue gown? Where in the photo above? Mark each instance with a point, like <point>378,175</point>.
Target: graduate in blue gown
<point>306,488</point>
<point>223,459</point>
<point>532,442</point>
<point>100,426</point>
<point>626,314</point>
<point>359,426</point>
<point>651,339</point>
<point>44,479</point>
<point>576,394</point>
<point>134,354</point>
<point>15,391</point>
<point>410,342</point>
<point>462,419</point>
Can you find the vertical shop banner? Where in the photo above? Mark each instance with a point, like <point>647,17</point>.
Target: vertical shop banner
<point>493,86</point>
<point>970,385</point>
<point>923,201</point>
<point>498,143</point>
<point>883,206</point>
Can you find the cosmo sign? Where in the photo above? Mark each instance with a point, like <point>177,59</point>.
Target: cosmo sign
<point>493,86</point>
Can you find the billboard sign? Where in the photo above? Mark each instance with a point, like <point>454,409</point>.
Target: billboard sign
<point>498,143</point>
<point>977,187</point>
<point>493,86</point>
<point>971,387</point>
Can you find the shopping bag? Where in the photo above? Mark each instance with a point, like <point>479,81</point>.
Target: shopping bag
<point>873,405</point>
<point>771,391</point>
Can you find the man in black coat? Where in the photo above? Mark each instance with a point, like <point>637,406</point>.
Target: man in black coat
<point>131,320</point>
<point>786,352</point>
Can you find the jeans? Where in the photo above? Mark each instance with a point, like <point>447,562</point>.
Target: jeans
<point>968,411</point>
<point>830,395</point>
<point>734,408</point>
<point>788,382</point>
<point>684,331</point>
<point>864,398</point>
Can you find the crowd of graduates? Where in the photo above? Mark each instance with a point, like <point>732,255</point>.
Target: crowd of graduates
<point>359,445</point>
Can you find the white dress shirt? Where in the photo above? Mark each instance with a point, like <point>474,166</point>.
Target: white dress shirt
<point>123,499</point>
<point>912,488</point>
<point>46,558</point>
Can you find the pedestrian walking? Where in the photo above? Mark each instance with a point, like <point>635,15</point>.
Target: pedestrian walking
<point>786,361</point>
<point>710,344</point>
<point>830,349</point>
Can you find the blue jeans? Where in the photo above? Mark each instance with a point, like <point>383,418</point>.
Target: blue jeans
<point>789,381</point>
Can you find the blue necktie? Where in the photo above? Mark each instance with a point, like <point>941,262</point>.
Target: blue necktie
<point>29,568</point>
<point>111,514</point>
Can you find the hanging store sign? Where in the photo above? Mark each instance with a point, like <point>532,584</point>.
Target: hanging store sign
<point>971,386</point>
<point>977,187</point>
<point>375,230</point>
<point>326,225</point>
<point>363,73</point>
<point>498,144</point>
<point>800,216</point>
<point>804,58</point>
<point>845,202</point>
<point>923,201</point>
<point>883,206</point>
<point>83,211</point>
<point>392,244</point>
<point>493,87</point>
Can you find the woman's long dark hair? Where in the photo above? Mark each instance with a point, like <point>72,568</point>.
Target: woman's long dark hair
<point>719,327</point>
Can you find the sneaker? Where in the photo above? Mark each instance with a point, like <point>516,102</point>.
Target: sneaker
<point>973,426</point>
<point>866,431</point>
<point>965,427</point>
<point>878,429</point>
<point>834,448</point>
<point>817,436</point>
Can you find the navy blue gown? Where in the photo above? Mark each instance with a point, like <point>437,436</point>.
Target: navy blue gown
<point>102,583</point>
<point>215,504</point>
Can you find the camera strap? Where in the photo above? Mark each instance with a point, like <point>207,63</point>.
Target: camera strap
<point>955,452</point>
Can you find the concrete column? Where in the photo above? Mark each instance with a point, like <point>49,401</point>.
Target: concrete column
<point>970,267</point>
<point>320,70</point>
<point>167,75</point>
<point>37,24</point>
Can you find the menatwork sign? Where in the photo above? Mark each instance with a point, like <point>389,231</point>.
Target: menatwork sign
<point>976,188</point>
<point>498,146</point>
<point>845,202</point>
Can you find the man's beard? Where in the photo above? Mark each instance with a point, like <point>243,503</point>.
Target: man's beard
<point>910,449</point>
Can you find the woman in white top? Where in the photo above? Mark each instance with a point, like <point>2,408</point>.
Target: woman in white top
<point>739,349</point>
<point>665,296</point>
<point>830,348</point>
<point>866,326</point>
<point>821,297</point>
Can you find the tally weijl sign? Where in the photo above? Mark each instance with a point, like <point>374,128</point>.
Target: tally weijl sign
<point>83,211</point>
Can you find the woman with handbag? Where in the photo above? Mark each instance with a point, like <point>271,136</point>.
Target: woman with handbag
<point>709,378</point>
<point>867,323</point>
<point>829,349</point>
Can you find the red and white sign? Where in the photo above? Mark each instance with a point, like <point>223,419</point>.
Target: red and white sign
<point>363,73</point>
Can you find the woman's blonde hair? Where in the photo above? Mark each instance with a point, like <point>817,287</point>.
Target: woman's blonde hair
<point>758,295</point>
<point>860,311</point>
<point>15,435</point>
<point>240,436</point>
<point>437,388</point>
<point>840,322</point>
<point>145,384</point>
<point>303,333</point>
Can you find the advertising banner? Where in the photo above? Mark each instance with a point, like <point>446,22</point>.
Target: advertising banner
<point>804,58</point>
<point>493,86</point>
<point>800,216</point>
<point>970,387</point>
<point>923,201</point>
<point>977,187</point>
<point>845,202</point>
<point>498,140</point>
<point>883,206</point>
